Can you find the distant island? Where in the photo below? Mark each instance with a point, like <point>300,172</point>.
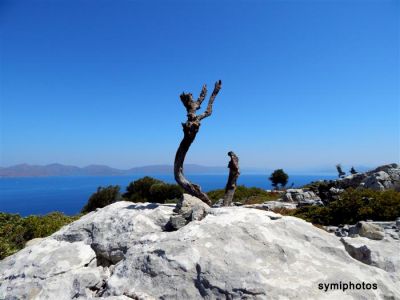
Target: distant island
<point>27,170</point>
<point>57,169</point>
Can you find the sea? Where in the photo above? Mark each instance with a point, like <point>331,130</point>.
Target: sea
<point>42,195</point>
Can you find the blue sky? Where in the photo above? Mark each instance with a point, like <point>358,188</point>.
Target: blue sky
<point>306,84</point>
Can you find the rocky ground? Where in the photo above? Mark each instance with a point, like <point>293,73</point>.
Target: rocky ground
<point>127,251</point>
<point>382,178</point>
<point>324,191</point>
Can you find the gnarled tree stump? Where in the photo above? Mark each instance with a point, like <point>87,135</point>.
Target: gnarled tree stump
<point>233,176</point>
<point>190,129</point>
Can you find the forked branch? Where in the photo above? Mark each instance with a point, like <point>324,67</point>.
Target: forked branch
<point>190,129</point>
<point>214,94</point>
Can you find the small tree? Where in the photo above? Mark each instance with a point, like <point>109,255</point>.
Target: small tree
<point>102,197</point>
<point>279,177</point>
<point>353,171</point>
<point>139,190</point>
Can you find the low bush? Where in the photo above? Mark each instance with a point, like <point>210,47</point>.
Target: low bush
<point>245,195</point>
<point>354,205</point>
<point>164,192</point>
<point>139,190</point>
<point>15,230</point>
<point>102,197</point>
<point>149,189</point>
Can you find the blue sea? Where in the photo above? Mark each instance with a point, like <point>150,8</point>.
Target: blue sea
<point>41,195</point>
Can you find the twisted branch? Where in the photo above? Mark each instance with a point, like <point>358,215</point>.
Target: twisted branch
<point>190,129</point>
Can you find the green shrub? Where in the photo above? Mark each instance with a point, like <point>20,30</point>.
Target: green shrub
<point>162,192</point>
<point>40,226</point>
<point>15,231</point>
<point>245,195</point>
<point>149,189</point>
<point>139,190</point>
<point>355,205</point>
<point>102,197</point>
<point>314,214</point>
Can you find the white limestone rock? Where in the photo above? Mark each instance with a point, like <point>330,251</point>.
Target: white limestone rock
<point>368,230</point>
<point>188,208</point>
<point>122,252</point>
<point>271,205</point>
<point>191,207</point>
<point>383,254</point>
<point>382,178</point>
<point>301,197</point>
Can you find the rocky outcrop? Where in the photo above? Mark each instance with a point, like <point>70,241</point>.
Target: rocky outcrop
<point>381,254</point>
<point>301,197</point>
<point>273,205</point>
<point>188,208</point>
<point>373,243</point>
<point>380,179</point>
<point>290,199</point>
<point>371,229</point>
<point>122,251</point>
<point>368,230</point>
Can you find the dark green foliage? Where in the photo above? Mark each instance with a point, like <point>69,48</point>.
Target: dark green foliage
<point>149,189</point>
<point>279,177</point>
<point>245,195</point>
<point>139,190</point>
<point>162,192</point>
<point>102,197</point>
<point>15,231</point>
<point>353,206</point>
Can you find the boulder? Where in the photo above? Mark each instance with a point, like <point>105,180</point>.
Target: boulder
<point>377,181</point>
<point>382,178</point>
<point>123,252</point>
<point>383,254</point>
<point>175,222</point>
<point>272,205</point>
<point>301,197</point>
<point>188,208</point>
<point>218,203</point>
<point>368,230</point>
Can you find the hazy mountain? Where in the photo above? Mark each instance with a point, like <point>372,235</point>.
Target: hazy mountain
<point>101,170</point>
<point>169,169</point>
<point>26,170</point>
<point>34,170</point>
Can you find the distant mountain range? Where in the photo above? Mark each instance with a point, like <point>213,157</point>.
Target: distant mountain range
<point>26,170</point>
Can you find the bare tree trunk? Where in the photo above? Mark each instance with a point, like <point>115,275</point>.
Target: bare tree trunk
<point>190,129</point>
<point>233,176</point>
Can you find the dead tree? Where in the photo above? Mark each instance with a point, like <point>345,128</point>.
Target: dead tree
<point>353,171</point>
<point>341,174</point>
<point>233,176</point>
<point>190,129</point>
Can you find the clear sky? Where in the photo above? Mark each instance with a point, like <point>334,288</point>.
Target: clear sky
<point>306,84</point>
